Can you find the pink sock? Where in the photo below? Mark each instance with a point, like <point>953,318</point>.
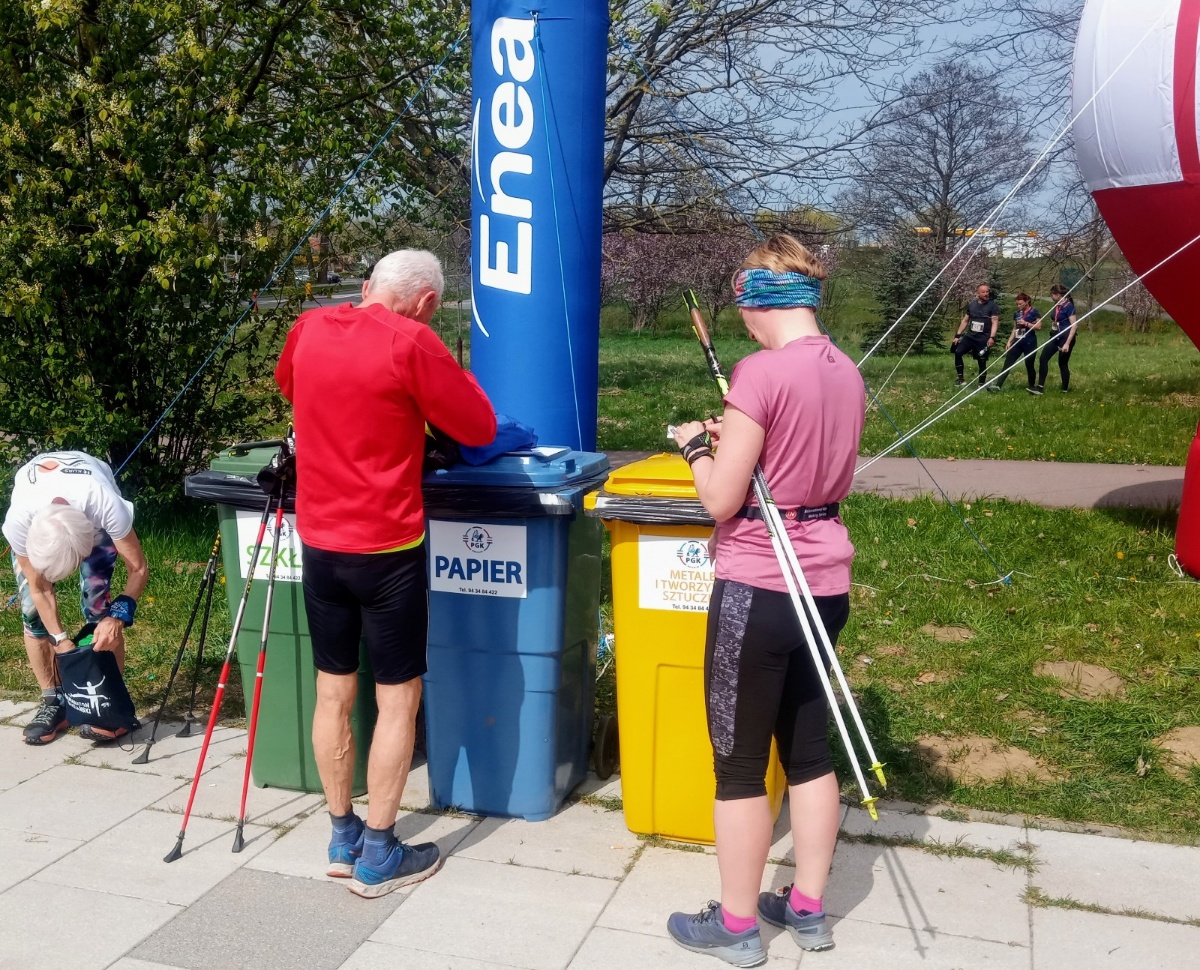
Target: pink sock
<point>804,904</point>
<point>737,924</point>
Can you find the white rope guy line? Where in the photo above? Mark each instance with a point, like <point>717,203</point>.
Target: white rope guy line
<point>938,415</point>
<point>987,222</point>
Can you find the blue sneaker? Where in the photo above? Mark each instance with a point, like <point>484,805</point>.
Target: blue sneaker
<point>705,932</point>
<point>401,865</point>
<point>809,930</point>
<point>344,850</point>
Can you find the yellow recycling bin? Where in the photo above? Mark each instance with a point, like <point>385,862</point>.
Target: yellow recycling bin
<point>662,579</point>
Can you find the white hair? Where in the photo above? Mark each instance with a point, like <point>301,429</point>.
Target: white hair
<point>407,273</point>
<point>60,538</point>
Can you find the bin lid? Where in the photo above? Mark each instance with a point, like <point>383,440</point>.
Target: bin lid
<point>232,479</point>
<point>659,476</point>
<point>549,467</point>
<point>658,490</point>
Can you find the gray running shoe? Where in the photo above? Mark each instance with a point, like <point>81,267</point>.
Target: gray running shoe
<point>48,723</point>
<point>809,930</point>
<point>705,932</point>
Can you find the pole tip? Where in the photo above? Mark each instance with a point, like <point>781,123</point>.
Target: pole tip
<point>176,852</point>
<point>144,757</point>
<point>869,805</point>
<point>239,843</point>
<point>877,767</point>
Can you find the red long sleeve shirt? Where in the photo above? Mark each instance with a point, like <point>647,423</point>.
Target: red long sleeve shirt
<point>363,381</point>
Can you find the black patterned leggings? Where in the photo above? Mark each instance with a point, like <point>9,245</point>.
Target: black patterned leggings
<point>759,683</point>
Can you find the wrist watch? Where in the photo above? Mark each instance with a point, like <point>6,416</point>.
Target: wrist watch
<point>57,638</point>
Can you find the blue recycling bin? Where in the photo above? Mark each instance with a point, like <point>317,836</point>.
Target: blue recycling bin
<point>514,579</point>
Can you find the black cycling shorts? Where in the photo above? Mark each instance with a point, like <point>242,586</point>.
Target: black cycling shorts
<point>382,598</point>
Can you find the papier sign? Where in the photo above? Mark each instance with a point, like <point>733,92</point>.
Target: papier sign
<point>288,560</point>
<point>674,574</point>
<point>477,560</point>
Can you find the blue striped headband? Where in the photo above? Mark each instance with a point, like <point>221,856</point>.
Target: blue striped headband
<point>762,289</point>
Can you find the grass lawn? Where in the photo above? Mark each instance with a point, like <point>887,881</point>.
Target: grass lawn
<point>1091,586</point>
<point>1134,400</point>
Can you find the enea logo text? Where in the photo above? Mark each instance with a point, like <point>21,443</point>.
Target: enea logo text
<point>502,264</point>
<point>473,567</point>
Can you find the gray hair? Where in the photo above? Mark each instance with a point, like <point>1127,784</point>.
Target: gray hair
<point>407,273</point>
<point>60,538</point>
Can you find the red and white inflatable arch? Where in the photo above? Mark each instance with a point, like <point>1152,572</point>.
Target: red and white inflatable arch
<point>1139,152</point>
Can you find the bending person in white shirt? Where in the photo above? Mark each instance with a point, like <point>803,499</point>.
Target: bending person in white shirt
<point>67,514</point>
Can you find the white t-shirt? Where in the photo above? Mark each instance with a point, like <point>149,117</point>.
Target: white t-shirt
<point>86,483</point>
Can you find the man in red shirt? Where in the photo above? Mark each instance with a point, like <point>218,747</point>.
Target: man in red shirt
<point>364,380</point>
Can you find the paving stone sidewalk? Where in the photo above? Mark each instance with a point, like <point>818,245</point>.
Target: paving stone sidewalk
<point>82,882</point>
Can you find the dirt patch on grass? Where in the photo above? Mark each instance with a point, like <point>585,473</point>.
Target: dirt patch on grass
<point>974,759</point>
<point>892,651</point>
<point>185,567</point>
<point>933,677</point>
<point>948,634</point>
<point>1181,751</point>
<point>1189,401</point>
<point>1082,680</point>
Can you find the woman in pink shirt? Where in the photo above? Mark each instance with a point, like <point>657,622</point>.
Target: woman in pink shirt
<point>796,409</point>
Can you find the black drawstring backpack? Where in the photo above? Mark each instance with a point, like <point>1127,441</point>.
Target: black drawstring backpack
<point>93,688</point>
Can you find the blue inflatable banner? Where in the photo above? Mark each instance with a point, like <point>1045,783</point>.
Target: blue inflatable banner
<point>538,76</point>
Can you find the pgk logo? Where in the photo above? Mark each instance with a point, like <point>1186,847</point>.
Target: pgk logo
<point>477,539</point>
<point>693,554</point>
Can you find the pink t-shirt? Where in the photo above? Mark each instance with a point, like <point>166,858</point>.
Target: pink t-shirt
<point>810,399</point>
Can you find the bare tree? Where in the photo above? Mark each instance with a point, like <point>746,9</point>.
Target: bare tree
<point>1141,309</point>
<point>1034,48</point>
<point>947,152</point>
<point>728,103</point>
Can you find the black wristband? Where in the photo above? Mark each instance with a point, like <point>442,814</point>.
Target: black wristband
<point>699,447</point>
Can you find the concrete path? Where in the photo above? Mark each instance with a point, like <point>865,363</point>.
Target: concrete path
<point>82,882</point>
<point>1053,484</point>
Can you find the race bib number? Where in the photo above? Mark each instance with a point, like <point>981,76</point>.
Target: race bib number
<point>977,326</point>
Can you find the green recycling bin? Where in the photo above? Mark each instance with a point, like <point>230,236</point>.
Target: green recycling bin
<point>283,754</point>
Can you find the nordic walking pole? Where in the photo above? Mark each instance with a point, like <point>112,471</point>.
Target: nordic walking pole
<point>238,841</point>
<point>206,581</point>
<point>190,717</point>
<point>176,852</point>
<point>779,540</point>
<point>790,567</point>
<point>810,601</point>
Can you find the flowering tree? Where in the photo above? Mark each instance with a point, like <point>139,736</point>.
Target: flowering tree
<point>649,270</point>
<point>706,262</point>
<point>639,269</point>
